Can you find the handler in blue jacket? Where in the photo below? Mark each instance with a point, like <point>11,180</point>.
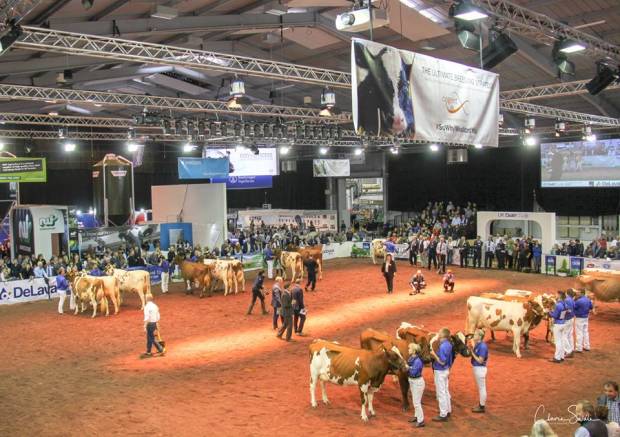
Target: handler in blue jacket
<point>583,306</point>
<point>416,383</point>
<point>559,315</point>
<point>479,358</point>
<point>441,366</point>
<point>62,285</point>
<point>569,324</point>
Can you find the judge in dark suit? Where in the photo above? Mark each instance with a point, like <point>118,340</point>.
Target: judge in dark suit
<point>389,271</point>
<point>299,309</point>
<point>414,247</point>
<point>287,314</point>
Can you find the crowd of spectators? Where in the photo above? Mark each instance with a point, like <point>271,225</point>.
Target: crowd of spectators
<point>602,247</point>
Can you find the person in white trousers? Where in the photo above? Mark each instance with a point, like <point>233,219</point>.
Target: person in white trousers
<point>583,306</point>
<point>569,324</point>
<point>165,274</point>
<point>559,314</point>
<point>62,286</point>
<point>416,383</point>
<point>441,368</point>
<point>479,358</point>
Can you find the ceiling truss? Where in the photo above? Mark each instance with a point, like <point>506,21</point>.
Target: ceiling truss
<point>550,91</point>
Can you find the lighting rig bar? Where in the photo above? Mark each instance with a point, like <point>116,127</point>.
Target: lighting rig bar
<point>48,40</point>
<point>63,95</point>
<point>541,27</point>
<point>67,120</point>
<point>548,91</point>
<point>15,10</point>
<point>561,114</point>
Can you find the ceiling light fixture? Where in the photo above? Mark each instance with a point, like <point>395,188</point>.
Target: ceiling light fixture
<point>561,60</point>
<point>568,46</point>
<point>530,140</point>
<point>328,103</point>
<point>284,150</point>
<point>164,13</point>
<point>434,148</point>
<point>500,47</point>
<point>358,151</point>
<point>478,146</point>
<point>237,95</point>
<point>464,10</point>
<point>466,34</point>
<point>188,147</point>
<point>605,76</point>
<point>588,135</point>
<point>132,147</point>
<point>87,4</point>
<point>276,8</point>
<point>323,150</point>
<point>69,147</point>
<point>8,37</point>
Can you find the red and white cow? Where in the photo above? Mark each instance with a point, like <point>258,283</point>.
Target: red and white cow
<point>377,249</point>
<point>342,365</point>
<point>133,281</point>
<point>292,261</point>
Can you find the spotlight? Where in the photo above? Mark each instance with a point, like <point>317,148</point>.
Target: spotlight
<point>323,150</point>
<point>1,146</point>
<point>434,148</point>
<point>63,132</point>
<point>605,76</point>
<point>69,147</point>
<point>464,10</point>
<point>394,150</point>
<point>530,124</point>
<point>466,35</point>
<point>478,146</point>
<point>561,60</point>
<point>588,135</point>
<point>530,140</point>
<point>188,147</point>
<point>91,210</point>
<point>358,151</point>
<point>328,103</point>
<point>87,4</point>
<point>237,95</point>
<point>498,49</point>
<point>284,150</point>
<point>78,212</point>
<point>132,147</point>
<point>8,37</point>
<point>568,46</point>
<point>560,127</point>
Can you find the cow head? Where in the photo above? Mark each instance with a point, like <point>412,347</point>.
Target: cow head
<point>459,344</point>
<point>384,89</point>
<point>395,359</point>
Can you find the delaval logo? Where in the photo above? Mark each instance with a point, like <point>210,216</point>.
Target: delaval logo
<point>32,291</point>
<point>4,294</point>
<point>48,222</point>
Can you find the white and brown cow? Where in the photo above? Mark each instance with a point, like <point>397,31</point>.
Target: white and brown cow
<point>196,274</point>
<point>223,275</point>
<point>292,261</point>
<point>515,316</point>
<point>95,290</point>
<point>342,365</point>
<point>377,249</point>
<point>603,284</point>
<point>133,281</point>
<point>316,252</point>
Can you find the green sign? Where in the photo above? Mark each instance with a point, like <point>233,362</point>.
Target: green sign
<point>23,170</point>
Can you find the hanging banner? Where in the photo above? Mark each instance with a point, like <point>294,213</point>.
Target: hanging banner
<point>203,168</point>
<point>23,170</point>
<point>244,162</point>
<point>397,92</point>
<point>323,168</point>
<point>244,182</point>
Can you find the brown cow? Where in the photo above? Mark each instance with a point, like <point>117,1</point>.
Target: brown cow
<point>95,290</point>
<point>196,273</point>
<point>372,339</point>
<point>344,365</point>
<point>604,284</point>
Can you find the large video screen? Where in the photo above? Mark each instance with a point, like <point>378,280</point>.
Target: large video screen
<point>243,162</point>
<point>580,164</point>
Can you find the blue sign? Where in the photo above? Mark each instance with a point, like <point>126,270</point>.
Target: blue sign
<point>576,265</point>
<point>203,168</point>
<point>245,182</point>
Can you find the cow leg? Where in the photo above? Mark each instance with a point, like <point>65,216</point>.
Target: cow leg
<point>324,392</point>
<point>526,340</point>
<point>364,399</point>
<point>492,335</point>
<point>320,263</point>
<point>188,286</point>
<point>93,302</point>
<point>314,375</point>
<point>371,395</point>
<point>142,299</point>
<point>516,340</point>
<point>403,381</point>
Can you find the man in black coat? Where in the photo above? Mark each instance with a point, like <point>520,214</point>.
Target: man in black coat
<point>478,252</point>
<point>311,266</point>
<point>258,293</point>
<point>287,314</point>
<point>413,251</point>
<point>389,271</point>
<point>432,253</point>
<point>299,309</point>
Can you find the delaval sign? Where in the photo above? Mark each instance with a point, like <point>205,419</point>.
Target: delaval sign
<point>244,182</point>
<point>27,291</point>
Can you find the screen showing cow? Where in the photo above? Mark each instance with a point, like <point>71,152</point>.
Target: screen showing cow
<point>580,164</point>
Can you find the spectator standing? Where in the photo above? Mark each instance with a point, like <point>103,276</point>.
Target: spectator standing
<point>432,253</point>
<point>165,273</point>
<point>478,252</point>
<point>489,252</point>
<point>536,256</point>
<point>442,253</point>
<point>389,271</point>
<point>414,246</point>
<point>590,425</point>
<point>583,306</point>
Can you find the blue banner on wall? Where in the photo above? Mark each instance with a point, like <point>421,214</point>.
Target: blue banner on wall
<point>576,265</point>
<point>203,168</point>
<point>245,182</point>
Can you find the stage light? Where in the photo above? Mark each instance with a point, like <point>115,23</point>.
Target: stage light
<point>394,150</point>
<point>530,124</point>
<point>568,46</point>
<point>328,102</point>
<point>188,147</point>
<point>466,35</point>
<point>8,37</point>
<point>237,95</point>
<point>78,212</point>
<point>323,150</point>
<point>464,10</point>
<point>605,76</point>
<point>132,147</point>
<point>284,150</point>
<point>478,146</point>
<point>434,148</point>
<point>91,210</point>
<point>358,151</point>
<point>588,135</point>
<point>530,140</point>
<point>69,147</point>
<point>1,146</point>
<point>500,47</point>
<point>87,4</point>
<point>561,60</point>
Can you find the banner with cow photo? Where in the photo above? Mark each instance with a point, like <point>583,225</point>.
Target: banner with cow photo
<point>398,92</point>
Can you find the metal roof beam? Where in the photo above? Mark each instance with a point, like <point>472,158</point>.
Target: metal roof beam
<point>15,10</point>
<point>548,91</point>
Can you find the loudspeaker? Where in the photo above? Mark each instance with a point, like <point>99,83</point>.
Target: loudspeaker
<point>497,51</point>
